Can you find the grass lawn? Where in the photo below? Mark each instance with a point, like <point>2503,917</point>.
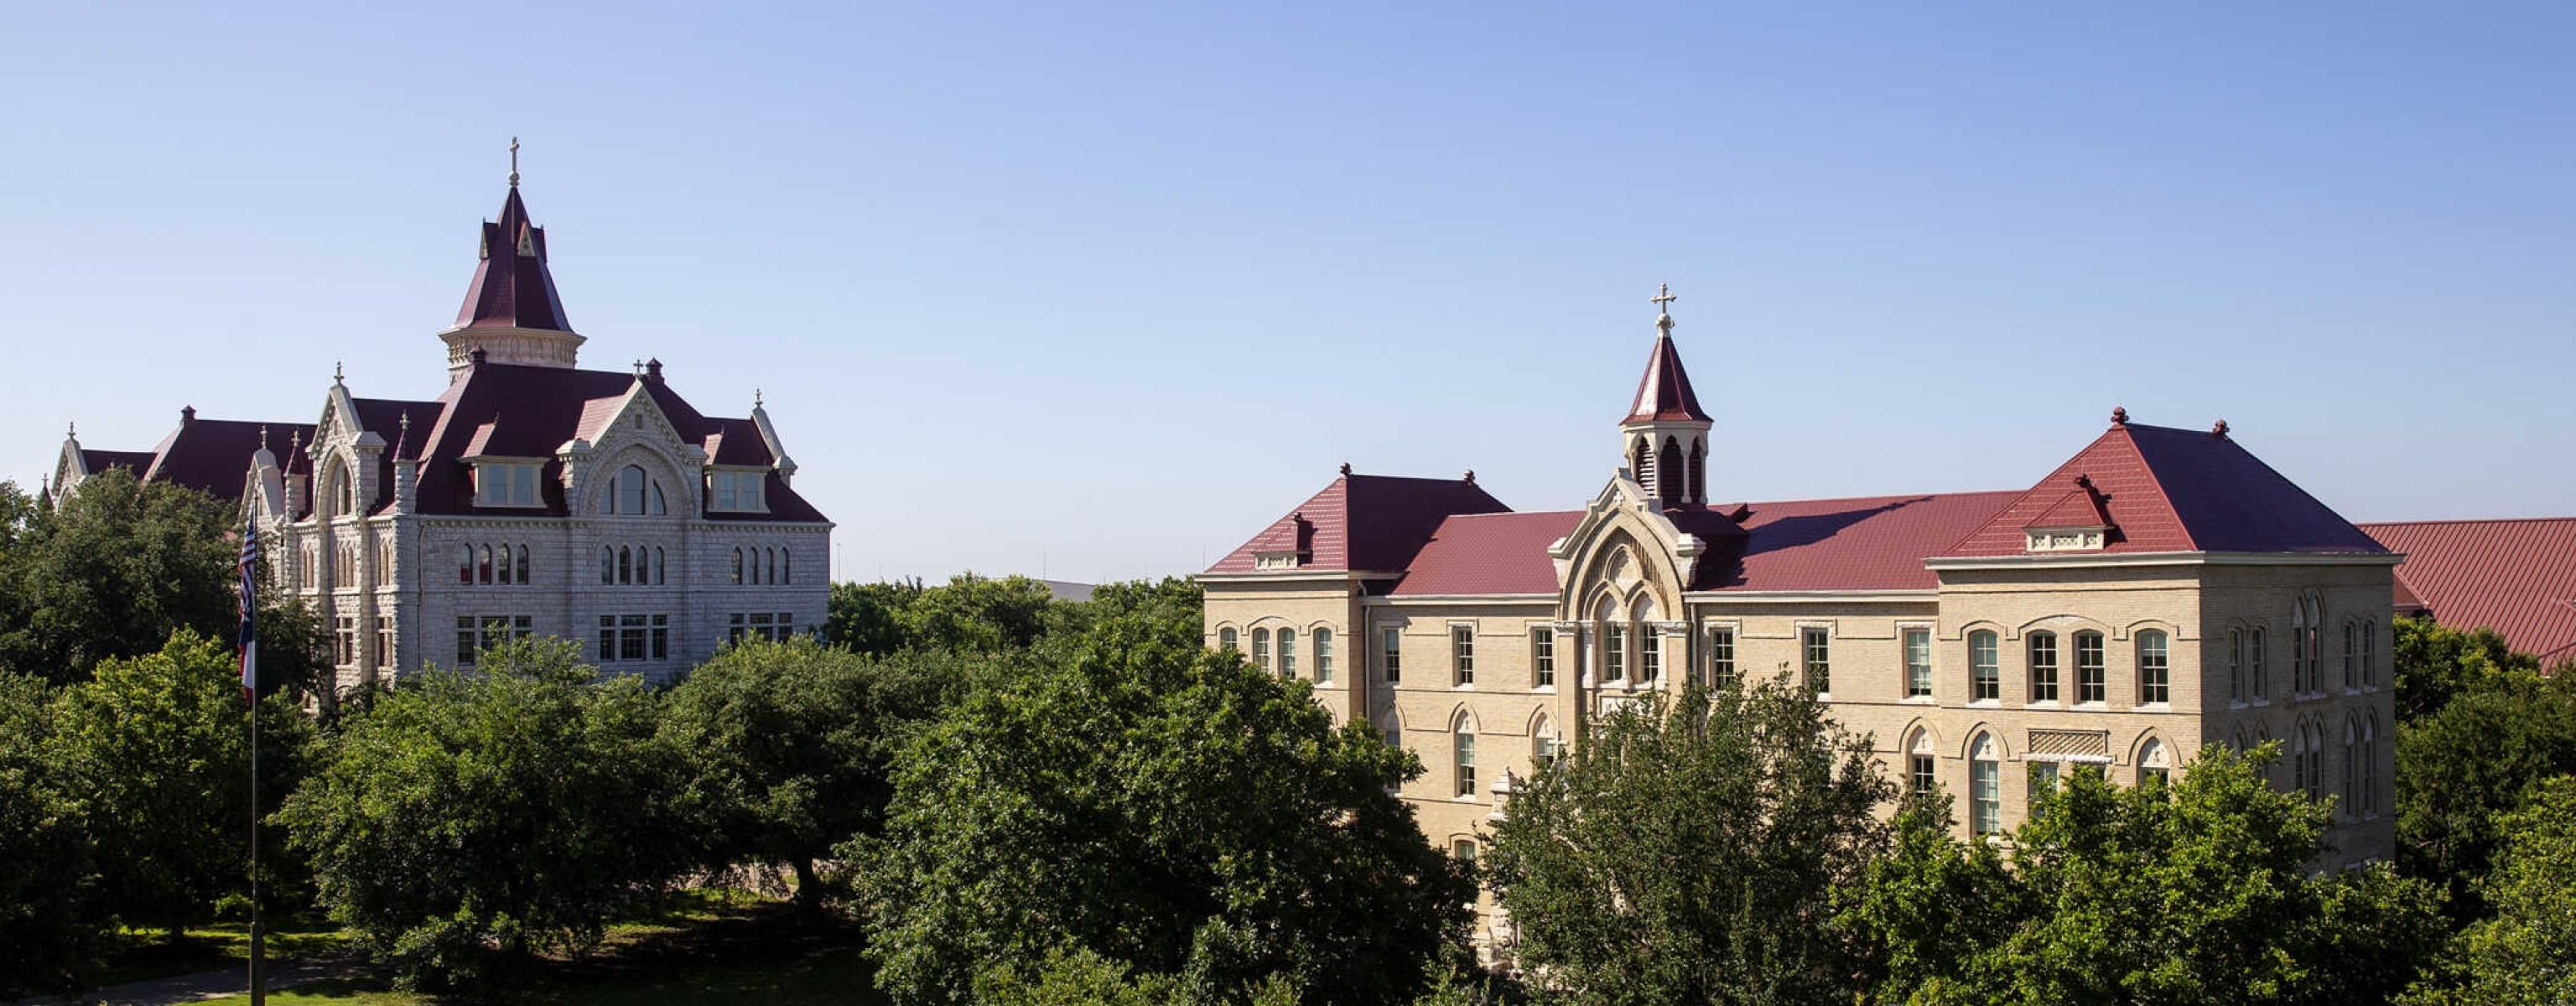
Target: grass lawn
<point>140,954</point>
<point>717,948</point>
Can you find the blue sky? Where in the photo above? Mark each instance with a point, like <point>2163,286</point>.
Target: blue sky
<point>1104,292</point>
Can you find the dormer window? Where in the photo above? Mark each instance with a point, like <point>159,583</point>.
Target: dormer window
<point>2065,539</point>
<point>1274,560</point>
<point>634,492</point>
<point>737,491</point>
<point>506,483</point>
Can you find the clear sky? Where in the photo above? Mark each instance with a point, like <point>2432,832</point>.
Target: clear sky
<point>1102,293</point>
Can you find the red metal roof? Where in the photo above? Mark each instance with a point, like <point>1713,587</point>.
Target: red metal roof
<point>1495,553</point>
<point>512,287</point>
<point>1664,392</point>
<point>1372,522</point>
<point>134,462</point>
<point>2517,577</point>
<point>2172,490</point>
<point>212,456</point>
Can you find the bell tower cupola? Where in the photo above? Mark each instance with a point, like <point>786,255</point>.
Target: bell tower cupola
<point>1664,440</point>
<point>511,310</point>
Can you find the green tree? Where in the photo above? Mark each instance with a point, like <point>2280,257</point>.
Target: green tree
<point>2462,768</point>
<point>1690,852</point>
<point>2523,954</point>
<point>791,743</point>
<point>295,649</point>
<point>2197,892</point>
<point>463,821</point>
<point>1165,808</point>
<point>1171,600</point>
<point>51,911</point>
<point>978,613</point>
<point>160,744</point>
<point>2436,663</point>
<point>112,573</point>
<point>1929,905</point>
<point>868,617</point>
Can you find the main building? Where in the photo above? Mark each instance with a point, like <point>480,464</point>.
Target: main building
<point>531,497</point>
<point>2161,590</point>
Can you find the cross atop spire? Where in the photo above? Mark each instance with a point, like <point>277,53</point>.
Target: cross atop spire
<point>514,162</point>
<point>1663,300</point>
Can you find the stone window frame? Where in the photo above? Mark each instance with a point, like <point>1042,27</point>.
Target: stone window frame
<point>1931,678</point>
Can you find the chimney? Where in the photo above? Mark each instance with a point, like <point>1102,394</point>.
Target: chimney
<point>653,370</point>
<point>187,414</point>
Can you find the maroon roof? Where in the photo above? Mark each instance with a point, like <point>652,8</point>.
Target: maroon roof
<point>505,410</point>
<point>1865,543</point>
<point>1372,523</point>
<point>512,287</point>
<point>213,456</point>
<point>1664,392</point>
<point>135,462</point>
<point>2517,577</point>
<point>2172,490</point>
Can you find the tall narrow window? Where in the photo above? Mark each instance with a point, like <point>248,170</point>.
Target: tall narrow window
<point>661,575</point>
<point>2370,767</point>
<point>630,490</point>
<point>509,567</point>
<point>607,564</point>
<point>1614,652</point>
<point>2155,671</point>
<point>1918,663</point>
<point>2351,654</point>
<point>1545,746</point>
<point>2235,665</point>
<point>1721,657</point>
<point>1919,766</point>
<point>2155,764</point>
<point>2369,644</point>
<point>1543,657</point>
<point>2041,780</point>
<point>2091,684</point>
<point>1287,653</point>
<point>1261,649</point>
<point>786,566</point>
<point>2043,667</point>
<point>625,565</point>
<point>1985,787</point>
<point>1985,673</point>
<point>773,565</point>
<point>1391,654</point>
<point>737,566</point>
<point>523,564</point>
<point>1462,654</point>
<point>1225,639</point>
<point>1650,654</point>
<point>465,565</point>
<point>1323,656</point>
<point>1813,646</point>
<point>483,569</point>
<point>2254,672</point>
<point>1466,746</point>
<point>2316,646</point>
<point>2351,766</point>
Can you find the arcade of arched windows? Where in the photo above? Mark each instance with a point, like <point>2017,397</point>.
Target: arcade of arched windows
<point>634,565</point>
<point>492,562</point>
<point>762,565</point>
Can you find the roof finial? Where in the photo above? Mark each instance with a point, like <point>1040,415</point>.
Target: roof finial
<point>1663,300</point>
<point>263,436</point>
<point>2119,415</point>
<point>755,398</point>
<point>336,376</point>
<point>403,437</point>
<point>1471,476</point>
<point>514,162</point>
<point>2219,429</point>
<point>1346,467</point>
<point>71,430</point>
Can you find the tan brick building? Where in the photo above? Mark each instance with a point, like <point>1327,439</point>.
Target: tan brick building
<point>2161,590</point>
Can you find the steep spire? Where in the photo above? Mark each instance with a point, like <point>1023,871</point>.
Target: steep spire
<point>1664,393</point>
<point>511,308</point>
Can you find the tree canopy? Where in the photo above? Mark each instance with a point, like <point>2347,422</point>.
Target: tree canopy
<point>1131,795</point>
<point>2523,954</point>
<point>51,909</point>
<point>1690,852</point>
<point>111,573</point>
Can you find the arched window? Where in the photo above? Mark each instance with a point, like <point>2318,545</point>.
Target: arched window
<point>1699,471</point>
<point>2092,682</point>
<point>1463,742</point>
<point>2351,653</point>
<point>2154,764</point>
<point>483,571</point>
<point>773,566</point>
<point>1323,656</point>
<point>1545,745</point>
<point>1637,462</point>
<point>523,564</point>
<point>1614,637</point>
<point>1287,653</point>
<point>2369,643</point>
<point>786,566</point>
<point>660,508</point>
<point>1985,677</point>
<point>1921,770</point>
<point>339,495</point>
<point>2309,760</point>
<point>737,566</point>
<point>509,572</point>
<point>2351,768</point>
<point>1261,649</point>
<point>607,564</point>
<point>660,575</point>
<point>631,489</point>
<point>2299,647</point>
<point>2370,766</point>
<point>1985,787</point>
<point>464,564</point>
<point>1225,638</point>
<point>2256,656</point>
<point>625,565</point>
<point>2235,665</point>
<point>2043,666</point>
<point>1669,473</point>
<point>2155,669</point>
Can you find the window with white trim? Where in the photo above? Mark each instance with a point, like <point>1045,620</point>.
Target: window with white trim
<point>1225,639</point>
<point>2155,669</point>
<point>1287,653</point>
<point>1918,663</point>
<point>1985,787</point>
<point>1543,657</point>
<point>1721,657</point>
<point>1261,649</point>
<point>1323,656</point>
<point>736,491</point>
<point>1464,744</point>
<point>1391,654</point>
<point>2255,645</point>
<point>634,637</point>
<point>506,483</point>
<point>477,633</point>
<point>1815,646</point>
<point>1985,672</point>
<point>1462,654</point>
<point>2043,666</point>
<point>2092,684</point>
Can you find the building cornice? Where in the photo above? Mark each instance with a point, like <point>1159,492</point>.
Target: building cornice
<point>1456,599</point>
<point>1811,597</point>
<point>2096,560</point>
<point>1295,576</point>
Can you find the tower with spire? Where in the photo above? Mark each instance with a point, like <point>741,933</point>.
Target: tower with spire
<point>1664,440</point>
<point>511,309</point>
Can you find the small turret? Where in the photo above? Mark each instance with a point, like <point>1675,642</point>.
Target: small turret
<point>1664,439</point>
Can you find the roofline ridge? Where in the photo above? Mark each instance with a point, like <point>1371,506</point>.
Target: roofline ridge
<point>2166,495</point>
<point>1877,496</point>
<point>2463,520</point>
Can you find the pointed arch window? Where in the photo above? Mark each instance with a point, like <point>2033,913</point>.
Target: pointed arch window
<point>2155,764</point>
<point>1699,471</point>
<point>2351,768</point>
<point>1669,472</point>
<point>523,564</point>
<point>509,572</point>
<point>1637,463</point>
<point>2369,661</point>
<point>1650,650</point>
<point>607,564</point>
<point>1614,642</point>
<point>1921,772</point>
<point>1985,787</point>
<point>483,569</point>
<point>465,564</point>
<point>2370,766</point>
<point>1545,746</point>
<point>737,566</point>
<point>1463,743</point>
<point>2235,665</point>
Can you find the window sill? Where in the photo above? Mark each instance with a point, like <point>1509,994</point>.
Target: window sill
<point>1985,703</point>
<point>2090,707</point>
<point>2155,707</point>
<point>1919,700</point>
<point>2041,704</point>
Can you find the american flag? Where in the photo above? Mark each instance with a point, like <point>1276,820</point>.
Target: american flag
<point>249,641</point>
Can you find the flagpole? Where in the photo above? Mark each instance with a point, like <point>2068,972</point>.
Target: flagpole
<point>248,639</point>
